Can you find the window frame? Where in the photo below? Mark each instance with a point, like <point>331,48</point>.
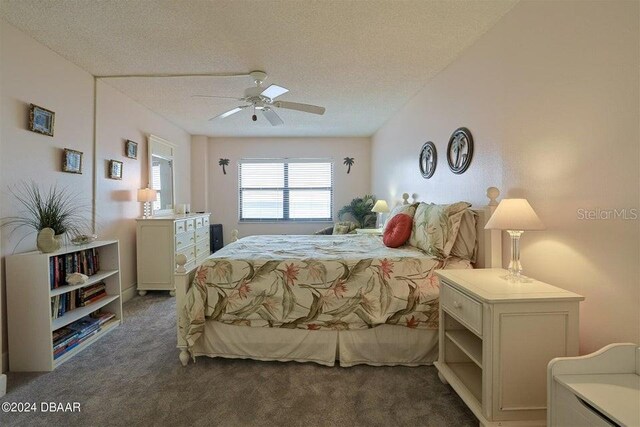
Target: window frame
<point>286,190</point>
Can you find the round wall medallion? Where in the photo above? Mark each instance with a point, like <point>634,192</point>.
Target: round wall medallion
<point>428,159</point>
<point>460,150</point>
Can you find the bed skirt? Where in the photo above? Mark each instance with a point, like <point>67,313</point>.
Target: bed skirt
<point>385,345</point>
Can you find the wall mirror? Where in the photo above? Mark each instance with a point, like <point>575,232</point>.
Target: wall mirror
<point>161,174</point>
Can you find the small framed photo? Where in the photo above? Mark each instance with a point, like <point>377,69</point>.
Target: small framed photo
<point>72,161</point>
<point>115,169</point>
<point>131,149</point>
<point>41,120</point>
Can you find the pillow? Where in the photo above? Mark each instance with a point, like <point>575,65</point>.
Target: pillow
<point>409,209</point>
<point>398,230</point>
<point>402,209</point>
<point>325,231</point>
<point>435,227</point>
<point>465,245</point>
<point>344,227</point>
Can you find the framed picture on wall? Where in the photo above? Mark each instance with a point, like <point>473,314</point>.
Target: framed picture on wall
<point>115,169</point>
<point>72,161</point>
<point>131,149</point>
<point>41,120</point>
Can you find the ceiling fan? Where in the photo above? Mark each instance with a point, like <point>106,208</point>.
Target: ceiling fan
<point>264,99</point>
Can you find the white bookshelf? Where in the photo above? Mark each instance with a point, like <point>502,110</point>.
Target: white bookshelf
<point>29,293</point>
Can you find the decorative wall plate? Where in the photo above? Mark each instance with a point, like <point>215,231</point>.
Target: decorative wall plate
<point>460,150</point>
<point>428,159</point>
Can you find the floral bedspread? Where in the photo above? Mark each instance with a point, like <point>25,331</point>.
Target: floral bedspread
<point>314,282</point>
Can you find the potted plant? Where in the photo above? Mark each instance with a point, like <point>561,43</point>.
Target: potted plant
<point>359,211</point>
<point>53,214</point>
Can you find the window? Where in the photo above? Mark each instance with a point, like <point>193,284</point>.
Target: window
<point>285,190</point>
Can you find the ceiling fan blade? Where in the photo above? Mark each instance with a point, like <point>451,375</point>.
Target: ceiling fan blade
<point>216,96</point>
<point>274,91</point>
<point>307,108</point>
<point>273,118</point>
<point>229,113</point>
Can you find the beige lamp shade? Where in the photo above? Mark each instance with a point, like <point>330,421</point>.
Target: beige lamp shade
<point>147,195</point>
<point>380,207</point>
<point>516,215</point>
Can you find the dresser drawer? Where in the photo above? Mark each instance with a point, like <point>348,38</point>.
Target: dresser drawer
<point>181,226</point>
<point>191,224</point>
<point>202,233</point>
<point>189,252</point>
<point>202,249</point>
<point>184,239</point>
<point>205,221</point>
<point>199,222</point>
<point>464,308</point>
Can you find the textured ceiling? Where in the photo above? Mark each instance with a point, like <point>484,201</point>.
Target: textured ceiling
<point>362,60</point>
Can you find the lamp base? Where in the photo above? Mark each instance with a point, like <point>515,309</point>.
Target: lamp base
<point>147,210</point>
<point>515,267</point>
<point>515,278</point>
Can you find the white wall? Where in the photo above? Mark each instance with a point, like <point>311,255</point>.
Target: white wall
<point>223,189</point>
<point>118,119</point>
<point>551,96</point>
<point>30,72</point>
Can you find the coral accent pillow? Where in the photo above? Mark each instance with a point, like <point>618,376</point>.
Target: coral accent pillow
<point>397,231</point>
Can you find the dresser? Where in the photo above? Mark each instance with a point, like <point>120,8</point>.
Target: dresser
<point>599,389</point>
<point>160,239</point>
<point>496,339</point>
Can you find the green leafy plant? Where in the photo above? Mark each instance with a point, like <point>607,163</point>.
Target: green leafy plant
<point>359,211</point>
<point>56,208</point>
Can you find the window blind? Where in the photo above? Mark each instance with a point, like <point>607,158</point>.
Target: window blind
<point>285,189</point>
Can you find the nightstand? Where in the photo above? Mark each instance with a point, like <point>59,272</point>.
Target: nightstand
<point>496,339</point>
<point>370,231</point>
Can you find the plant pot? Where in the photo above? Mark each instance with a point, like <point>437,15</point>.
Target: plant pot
<point>48,241</point>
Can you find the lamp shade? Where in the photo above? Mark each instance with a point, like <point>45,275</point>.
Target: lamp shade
<point>380,207</point>
<point>147,195</point>
<point>516,215</point>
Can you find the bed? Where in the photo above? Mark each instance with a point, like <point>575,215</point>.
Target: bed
<point>319,299</point>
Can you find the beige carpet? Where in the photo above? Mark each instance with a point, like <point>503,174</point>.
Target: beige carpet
<point>133,377</point>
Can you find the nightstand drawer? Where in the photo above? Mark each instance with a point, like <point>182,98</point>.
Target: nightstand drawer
<point>464,308</point>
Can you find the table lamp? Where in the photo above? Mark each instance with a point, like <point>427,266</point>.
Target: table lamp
<point>380,208</point>
<point>146,196</point>
<point>516,216</point>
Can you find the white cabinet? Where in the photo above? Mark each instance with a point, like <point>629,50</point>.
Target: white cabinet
<point>496,339</point>
<point>160,239</point>
<point>599,389</point>
<point>32,288</point>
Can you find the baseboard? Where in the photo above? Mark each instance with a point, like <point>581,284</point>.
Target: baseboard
<point>128,293</point>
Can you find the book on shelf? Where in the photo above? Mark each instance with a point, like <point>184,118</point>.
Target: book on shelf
<point>60,304</point>
<point>103,317</point>
<point>84,261</point>
<point>69,337</point>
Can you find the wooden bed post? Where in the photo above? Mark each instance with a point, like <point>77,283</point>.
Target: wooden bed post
<point>182,282</point>
<point>489,241</point>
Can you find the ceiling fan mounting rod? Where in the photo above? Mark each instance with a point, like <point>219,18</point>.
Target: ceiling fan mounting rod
<point>258,76</point>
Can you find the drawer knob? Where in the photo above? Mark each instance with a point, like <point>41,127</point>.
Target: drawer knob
<point>456,304</point>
